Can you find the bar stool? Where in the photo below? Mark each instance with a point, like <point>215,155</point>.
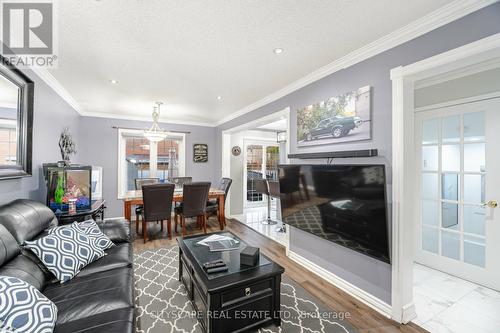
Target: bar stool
<point>262,187</point>
<point>274,192</point>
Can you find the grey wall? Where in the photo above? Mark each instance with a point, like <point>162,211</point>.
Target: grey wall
<point>371,276</point>
<point>99,146</point>
<point>51,115</point>
<point>468,86</point>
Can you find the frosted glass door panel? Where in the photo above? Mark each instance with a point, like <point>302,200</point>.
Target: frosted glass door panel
<point>430,212</point>
<point>430,158</point>
<point>450,158</point>
<point>450,186</point>
<point>430,186</point>
<point>475,220</point>
<point>459,184</point>
<point>474,189</point>
<point>474,127</point>
<point>451,129</point>
<point>450,244</point>
<point>474,157</point>
<point>430,131</point>
<point>450,216</point>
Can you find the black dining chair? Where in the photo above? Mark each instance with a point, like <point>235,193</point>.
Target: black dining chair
<point>194,204</point>
<point>213,205</point>
<point>157,200</point>
<point>139,182</point>
<point>262,187</point>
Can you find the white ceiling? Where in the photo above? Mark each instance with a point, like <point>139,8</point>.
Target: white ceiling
<point>278,125</point>
<point>186,52</point>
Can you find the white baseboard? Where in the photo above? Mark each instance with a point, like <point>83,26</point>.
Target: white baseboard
<point>359,294</point>
<point>409,313</point>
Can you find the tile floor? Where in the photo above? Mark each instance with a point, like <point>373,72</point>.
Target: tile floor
<point>446,304</point>
<point>253,217</point>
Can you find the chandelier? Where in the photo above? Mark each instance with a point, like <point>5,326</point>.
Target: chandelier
<point>155,133</point>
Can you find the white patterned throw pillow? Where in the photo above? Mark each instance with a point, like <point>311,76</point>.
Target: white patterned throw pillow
<point>91,229</point>
<point>24,309</point>
<point>65,252</point>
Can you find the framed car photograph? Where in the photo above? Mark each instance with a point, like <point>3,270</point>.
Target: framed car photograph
<point>339,119</point>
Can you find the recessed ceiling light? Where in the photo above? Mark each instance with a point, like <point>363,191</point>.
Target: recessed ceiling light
<point>219,98</point>
<point>278,50</point>
<point>113,81</point>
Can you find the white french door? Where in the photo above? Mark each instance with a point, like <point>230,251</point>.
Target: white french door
<point>459,183</point>
<point>261,161</point>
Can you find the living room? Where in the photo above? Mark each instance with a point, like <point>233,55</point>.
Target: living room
<point>187,166</point>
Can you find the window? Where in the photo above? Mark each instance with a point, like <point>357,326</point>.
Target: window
<point>139,158</point>
<point>8,142</point>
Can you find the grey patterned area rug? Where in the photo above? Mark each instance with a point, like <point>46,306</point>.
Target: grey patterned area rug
<point>163,306</point>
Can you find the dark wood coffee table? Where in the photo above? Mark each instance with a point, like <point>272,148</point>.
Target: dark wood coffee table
<point>240,299</point>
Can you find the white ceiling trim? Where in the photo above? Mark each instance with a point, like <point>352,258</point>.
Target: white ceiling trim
<point>52,82</point>
<point>438,18</point>
<point>164,121</point>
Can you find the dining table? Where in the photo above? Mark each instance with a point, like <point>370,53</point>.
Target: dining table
<point>134,198</point>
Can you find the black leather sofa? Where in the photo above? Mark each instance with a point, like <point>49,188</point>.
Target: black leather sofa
<point>99,299</point>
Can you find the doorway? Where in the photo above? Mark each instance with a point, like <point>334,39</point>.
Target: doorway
<point>263,143</point>
<point>261,162</point>
<point>457,267</point>
<point>459,230</point>
<point>444,190</point>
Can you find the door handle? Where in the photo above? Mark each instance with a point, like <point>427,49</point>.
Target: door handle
<point>491,204</point>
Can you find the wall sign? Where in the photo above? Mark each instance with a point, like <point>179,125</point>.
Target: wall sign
<point>236,150</point>
<point>200,152</point>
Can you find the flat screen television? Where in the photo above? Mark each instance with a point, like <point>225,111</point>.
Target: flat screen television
<point>345,204</point>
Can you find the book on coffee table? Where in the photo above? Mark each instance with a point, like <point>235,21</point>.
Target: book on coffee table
<point>223,245</point>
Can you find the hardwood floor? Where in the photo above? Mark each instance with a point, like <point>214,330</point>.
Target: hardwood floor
<point>362,317</point>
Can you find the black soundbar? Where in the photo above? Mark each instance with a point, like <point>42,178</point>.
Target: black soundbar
<point>337,154</point>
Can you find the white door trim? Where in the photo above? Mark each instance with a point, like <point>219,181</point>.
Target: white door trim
<point>403,160</point>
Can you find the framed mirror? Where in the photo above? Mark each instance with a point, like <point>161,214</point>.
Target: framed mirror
<point>16,122</point>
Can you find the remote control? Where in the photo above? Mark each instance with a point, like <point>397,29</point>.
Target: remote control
<point>213,264</point>
<point>217,269</point>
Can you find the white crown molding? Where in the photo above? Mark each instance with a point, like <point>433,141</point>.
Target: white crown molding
<point>144,118</point>
<point>52,82</point>
<point>438,18</point>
